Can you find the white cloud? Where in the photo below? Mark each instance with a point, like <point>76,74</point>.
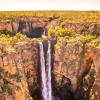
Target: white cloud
<point>6,5</point>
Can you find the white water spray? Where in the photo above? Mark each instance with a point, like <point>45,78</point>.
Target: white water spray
<point>49,88</point>
<point>43,72</point>
<point>46,72</point>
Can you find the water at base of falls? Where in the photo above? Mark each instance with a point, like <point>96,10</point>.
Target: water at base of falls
<point>46,72</point>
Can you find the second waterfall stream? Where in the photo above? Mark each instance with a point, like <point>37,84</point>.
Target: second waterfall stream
<point>46,72</point>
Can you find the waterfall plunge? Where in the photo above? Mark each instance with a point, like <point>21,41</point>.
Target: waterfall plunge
<point>49,88</point>
<point>43,72</point>
<point>46,72</point>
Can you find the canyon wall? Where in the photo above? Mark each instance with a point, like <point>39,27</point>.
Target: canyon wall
<point>31,26</point>
<point>75,68</point>
<point>18,78</point>
<point>36,26</point>
<point>75,71</point>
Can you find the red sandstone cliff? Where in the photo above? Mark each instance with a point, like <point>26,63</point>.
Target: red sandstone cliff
<point>19,76</point>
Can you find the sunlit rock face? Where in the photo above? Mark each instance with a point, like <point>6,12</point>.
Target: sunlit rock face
<point>75,71</point>
<point>18,72</point>
<point>29,53</point>
<point>35,26</point>
<point>6,26</point>
<point>66,61</point>
<point>97,67</point>
<point>30,26</point>
<point>79,26</point>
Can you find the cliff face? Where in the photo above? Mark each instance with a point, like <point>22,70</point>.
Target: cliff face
<point>78,67</point>
<point>18,72</point>
<point>36,26</point>
<point>97,67</point>
<point>75,71</point>
<point>32,27</point>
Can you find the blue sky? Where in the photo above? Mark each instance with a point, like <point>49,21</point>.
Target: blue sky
<point>13,5</point>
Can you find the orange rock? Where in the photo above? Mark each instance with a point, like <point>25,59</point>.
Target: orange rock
<point>10,69</point>
<point>19,96</point>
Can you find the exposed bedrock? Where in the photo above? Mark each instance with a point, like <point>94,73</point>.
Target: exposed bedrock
<point>18,72</point>
<point>32,27</point>
<point>36,26</point>
<point>75,71</point>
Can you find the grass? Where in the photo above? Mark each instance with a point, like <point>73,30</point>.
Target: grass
<point>69,16</point>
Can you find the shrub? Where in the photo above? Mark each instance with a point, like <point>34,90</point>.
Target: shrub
<point>7,32</point>
<point>86,31</point>
<point>61,32</point>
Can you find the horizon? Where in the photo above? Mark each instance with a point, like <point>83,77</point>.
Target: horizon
<point>51,5</point>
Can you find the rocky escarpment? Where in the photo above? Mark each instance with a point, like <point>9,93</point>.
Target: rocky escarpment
<point>97,67</point>
<point>18,72</point>
<point>31,26</point>
<point>75,71</point>
<point>36,26</point>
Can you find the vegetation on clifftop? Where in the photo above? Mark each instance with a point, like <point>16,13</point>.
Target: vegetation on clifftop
<point>56,28</point>
<point>69,16</point>
<point>68,39</point>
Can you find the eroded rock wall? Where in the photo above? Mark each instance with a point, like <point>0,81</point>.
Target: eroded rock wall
<point>35,26</point>
<point>18,72</point>
<point>75,71</point>
<point>30,26</point>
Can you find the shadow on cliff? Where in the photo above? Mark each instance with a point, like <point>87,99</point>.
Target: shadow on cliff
<point>32,32</point>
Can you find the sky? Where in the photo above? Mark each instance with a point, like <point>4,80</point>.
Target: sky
<point>16,5</point>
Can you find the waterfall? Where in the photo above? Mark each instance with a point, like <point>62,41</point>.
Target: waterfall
<point>49,88</point>
<point>44,32</point>
<point>43,72</point>
<point>46,72</point>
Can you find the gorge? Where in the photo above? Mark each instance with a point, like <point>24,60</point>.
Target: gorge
<point>60,67</point>
<point>22,71</point>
